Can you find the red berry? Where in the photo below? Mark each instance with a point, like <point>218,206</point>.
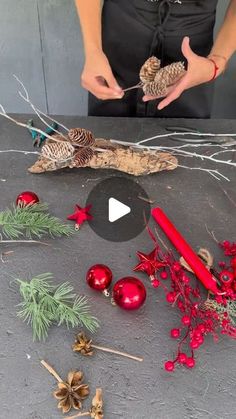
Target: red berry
<point>190,362</point>
<point>201,327</point>
<point>201,340</point>
<point>194,344</point>
<point>226,277</point>
<point>164,275</point>
<point>182,358</point>
<point>176,267</point>
<point>170,297</point>
<point>186,320</point>
<point>185,279</point>
<point>155,283</point>
<point>169,366</point>
<point>175,333</point>
<point>197,334</point>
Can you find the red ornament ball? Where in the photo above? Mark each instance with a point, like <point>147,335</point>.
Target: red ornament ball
<point>129,293</point>
<point>99,277</point>
<point>226,277</point>
<point>233,262</point>
<point>164,275</point>
<point>169,366</point>
<point>27,198</point>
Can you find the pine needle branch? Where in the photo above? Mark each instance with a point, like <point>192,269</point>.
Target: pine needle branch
<point>31,221</point>
<point>45,304</point>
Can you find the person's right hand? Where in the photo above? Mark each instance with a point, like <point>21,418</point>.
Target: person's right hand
<point>97,77</point>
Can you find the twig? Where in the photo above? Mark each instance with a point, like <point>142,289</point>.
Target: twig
<point>171,134</point>
<point>160,239</point>
<point>78,415</point>
<point>113,351</point>
<point>212,234</point>
<point>23,241</point>
<point>52,371</point>
<point>21,124</point>
<point>37,111</point>
<point>142,198</point>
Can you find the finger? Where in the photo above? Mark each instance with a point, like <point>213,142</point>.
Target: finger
<point>175,94</point>
<point>100,90</point>
<point>186,49</point>
<point>147,98</point>
<point>111,82</point>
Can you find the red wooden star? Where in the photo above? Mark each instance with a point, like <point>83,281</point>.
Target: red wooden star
<point>80,216</point>
<point>149,263</point>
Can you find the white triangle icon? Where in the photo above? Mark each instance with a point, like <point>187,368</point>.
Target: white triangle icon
<point>117,210</point>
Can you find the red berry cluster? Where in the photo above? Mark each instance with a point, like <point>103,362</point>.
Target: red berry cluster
<point>198,316</point>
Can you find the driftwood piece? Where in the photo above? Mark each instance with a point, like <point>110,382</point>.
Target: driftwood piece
<point>129,160</point>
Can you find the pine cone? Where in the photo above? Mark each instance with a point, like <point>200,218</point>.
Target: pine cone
<point>170,74</point>
<point>149,70</point>
<point>81,137</point>
<point>71,392</point>
<point>82,157</point>
<point>155,88</point>
<point>57,151</point>
<point>83,345</point>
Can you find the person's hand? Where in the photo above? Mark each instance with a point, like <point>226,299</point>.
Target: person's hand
<point>199,70</point>
<point>97,77</point>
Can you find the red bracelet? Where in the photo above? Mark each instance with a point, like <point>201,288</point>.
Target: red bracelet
<point>216,68</point>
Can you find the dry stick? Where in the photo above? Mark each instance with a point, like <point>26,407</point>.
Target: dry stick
<point>137,86</point>
<point>24,241</point>
<point>113,351</point>
<point>78,415</point>
<point>21,124</point>
<point>52,371</point>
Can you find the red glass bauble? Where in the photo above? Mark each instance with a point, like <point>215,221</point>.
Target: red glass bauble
<point>99,277</point>
<point>129,293</point>
<point>27,198</point>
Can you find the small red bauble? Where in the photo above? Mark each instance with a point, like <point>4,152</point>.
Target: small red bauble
<point>129,293</point>
<point>170,297</point>
<point>194,344</point>
<point>99,277</point>
<point>175,333</point>
<point>27,198</point>
<point>233,262</point>
<point>169,366</point>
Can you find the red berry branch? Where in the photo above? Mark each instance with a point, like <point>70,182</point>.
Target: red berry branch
<point>200,316</point>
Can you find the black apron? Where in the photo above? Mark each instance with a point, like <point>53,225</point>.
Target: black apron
<point>134,30</point>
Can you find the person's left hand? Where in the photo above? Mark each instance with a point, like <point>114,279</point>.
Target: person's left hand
<point>199,70</point>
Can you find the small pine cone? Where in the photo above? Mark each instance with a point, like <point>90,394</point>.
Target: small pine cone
<point>81,137</point>
<point>155,89</point>
<point>149,70</point>
<point>170,74</point>
<point>82,157</point>
<point>57,151</point>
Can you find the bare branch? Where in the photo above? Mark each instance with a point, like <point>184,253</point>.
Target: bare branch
<point>37,110</point>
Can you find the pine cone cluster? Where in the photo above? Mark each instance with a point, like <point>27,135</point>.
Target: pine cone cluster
<point>81,137</point>
<point>149,70</point>
<point>156,80</point>
<point>57,151</point>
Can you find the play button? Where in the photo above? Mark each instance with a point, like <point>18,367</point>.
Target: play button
<point>117,210</point>
<point>120,209</point>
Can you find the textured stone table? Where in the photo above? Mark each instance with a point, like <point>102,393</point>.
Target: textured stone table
<point>132,390</point>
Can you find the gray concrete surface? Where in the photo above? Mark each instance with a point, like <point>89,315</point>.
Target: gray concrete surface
<point>131,390</point>
<point>40,41</point>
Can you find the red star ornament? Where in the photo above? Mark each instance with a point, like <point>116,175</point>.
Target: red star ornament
<point>149,263</point>
<point>80,216</point>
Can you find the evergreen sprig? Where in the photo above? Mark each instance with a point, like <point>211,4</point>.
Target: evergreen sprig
<point>45,304</point>
<point>31,221</point>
